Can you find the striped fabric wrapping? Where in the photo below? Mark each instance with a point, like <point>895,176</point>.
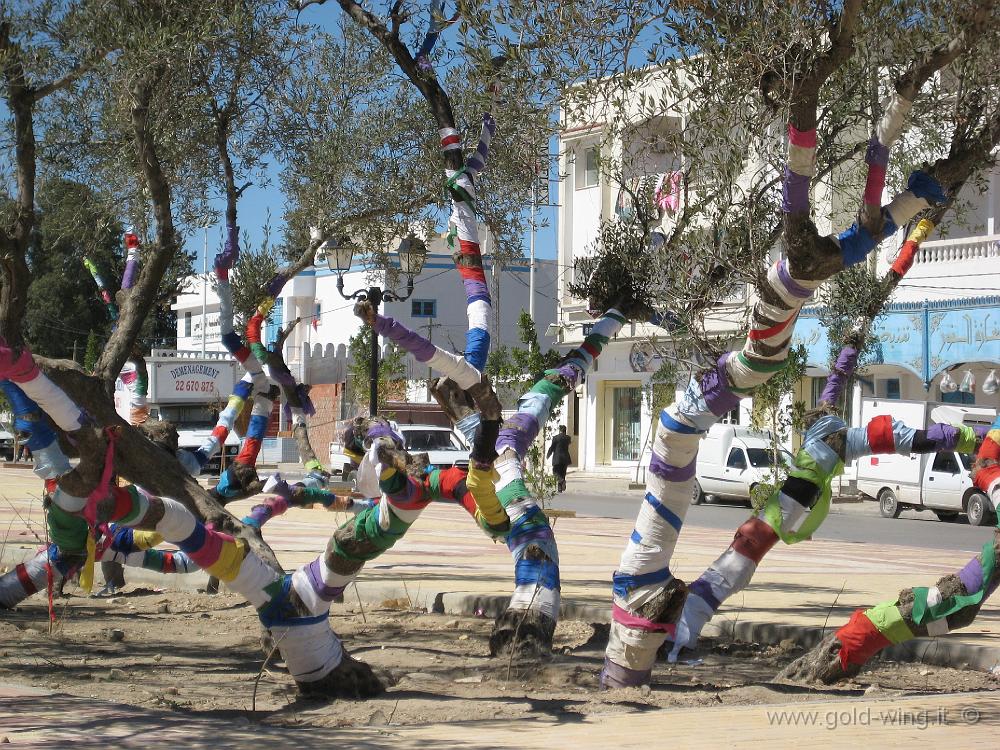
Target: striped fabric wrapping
<point>129,549</point>
<point>103,290</point>
<point>260,415</point>
<point>227,418</point>
<point>644,570</point>
<point>537,581</point>
<point>131,260</point>
<point>459,369</point>
<point>22,371</point>
<point>310,649</point>
<point>31,576</point>
<point>787,506</point>
<point>469,258</point>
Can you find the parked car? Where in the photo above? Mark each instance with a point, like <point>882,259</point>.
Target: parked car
<point>937,482</point>
<point>732,461</point>
<point>444,446</point>
<point>6,446</point>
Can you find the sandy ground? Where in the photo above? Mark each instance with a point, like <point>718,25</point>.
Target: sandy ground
<point>200,654</point>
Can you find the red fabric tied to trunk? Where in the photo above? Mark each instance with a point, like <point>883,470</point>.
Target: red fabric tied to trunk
<point>859,640</point>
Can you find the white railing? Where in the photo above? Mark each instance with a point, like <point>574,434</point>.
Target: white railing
<point>966,248</point>
<point>186,354</point>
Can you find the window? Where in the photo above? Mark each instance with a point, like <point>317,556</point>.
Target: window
<point>892,388</point>
<point>431,440</point>
<point>958,397</point>
<point>945,463</point>
<point>187,324</point>
<point>764,457</point>
<point>423,308</point>
<point>736,459</point>
<point>588,173</point>
<point>273,324</point>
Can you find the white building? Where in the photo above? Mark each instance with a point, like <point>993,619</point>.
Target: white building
<point>317,349</point>
<point>945,315</point>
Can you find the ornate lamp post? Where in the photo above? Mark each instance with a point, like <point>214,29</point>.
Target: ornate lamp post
<point>340,255</point>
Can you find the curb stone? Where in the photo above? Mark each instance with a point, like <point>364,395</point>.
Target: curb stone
<point>932,651</point>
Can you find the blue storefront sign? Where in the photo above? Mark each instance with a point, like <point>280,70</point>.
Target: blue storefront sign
<point>925,338</point>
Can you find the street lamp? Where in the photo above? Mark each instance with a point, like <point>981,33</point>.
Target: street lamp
<point>340,255</point>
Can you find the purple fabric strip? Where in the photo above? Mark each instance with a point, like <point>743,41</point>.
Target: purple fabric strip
<point>128,278</point>
<point>231,252</point>
<point>877,153</point>
<point>972,575</point>
<point>795,193</point>
<point>790,284</point>
<point>324,592</point>
<point>517,433</point>
<point>944,435</point>
<point>475,288</point>
<point>715,389</point>
<point>260,513</point>
<point>616,676</point>
<point>670,473</point>
<point>847,360</point>
<point>703,589</point>
<point>274,285</point>
<point>535,536</point>
<point>569,373</point>
<point>379,429</point>
<point>411,341</point>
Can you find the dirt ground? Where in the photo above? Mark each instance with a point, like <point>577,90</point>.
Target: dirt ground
<point>200,654</point>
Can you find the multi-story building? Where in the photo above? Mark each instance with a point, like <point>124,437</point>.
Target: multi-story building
<point>942,318</point>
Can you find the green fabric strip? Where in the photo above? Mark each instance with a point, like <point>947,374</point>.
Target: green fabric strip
<point>259,351</point>
<point>512,492</point>
<point>550,389</point>
<point>760,366</point>
<point>966,439</point>
<point>922,613</point>
<point>805,468</point>
<point>889,621</point>
<point>434,484</point>
<point>68,532</point>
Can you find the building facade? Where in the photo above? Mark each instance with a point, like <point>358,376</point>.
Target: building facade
<point>942,318</point>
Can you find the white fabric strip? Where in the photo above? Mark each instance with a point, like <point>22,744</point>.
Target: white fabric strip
<point>891,124</point>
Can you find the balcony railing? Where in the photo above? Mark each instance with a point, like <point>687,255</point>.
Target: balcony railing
<point>966,248</point>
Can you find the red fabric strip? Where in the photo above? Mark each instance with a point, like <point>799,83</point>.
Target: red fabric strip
<point>451,140</point>
<point>248,451</point>
<point>253,328</point>
<point>859,640</point>
<point>985,477</point>
<point>874,185</point>
<point>757,334</point>
<point>880,436</point>
<point>802,138</point>
<point>754,539</point>
<point>904,260</point>
<point>26,583</point>
<point>590,349</point>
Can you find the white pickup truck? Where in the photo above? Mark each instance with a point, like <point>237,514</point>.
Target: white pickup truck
<point>444,447</point>
<point>938,482</point>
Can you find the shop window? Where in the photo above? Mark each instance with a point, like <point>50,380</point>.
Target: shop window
<point>892,388</point>
<point>187,324</point>
<point>423,308</point>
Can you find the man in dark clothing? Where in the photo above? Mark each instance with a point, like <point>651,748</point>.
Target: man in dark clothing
<point>559,450</point>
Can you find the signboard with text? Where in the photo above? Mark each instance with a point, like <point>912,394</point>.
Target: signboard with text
<point>192,381</point>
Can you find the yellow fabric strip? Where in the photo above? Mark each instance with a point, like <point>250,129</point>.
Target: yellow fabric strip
<point>482,485</point>
<point>227,567</point>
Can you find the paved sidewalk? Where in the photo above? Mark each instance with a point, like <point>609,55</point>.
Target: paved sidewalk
<point>445,558</point>
<point>32,718</point>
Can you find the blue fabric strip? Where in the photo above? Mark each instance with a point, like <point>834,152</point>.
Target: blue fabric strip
<point>664,512</point>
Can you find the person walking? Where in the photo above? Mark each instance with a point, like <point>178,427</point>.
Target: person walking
<point>559,451</point>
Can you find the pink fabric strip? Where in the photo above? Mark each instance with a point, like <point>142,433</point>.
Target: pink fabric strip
<point>626,618</point>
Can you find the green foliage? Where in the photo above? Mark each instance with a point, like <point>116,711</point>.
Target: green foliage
<point>842,299</point>
<point>391,370</point>
<point>514,369</point>
<point>771,413</point>
<point>255,268</point>
<point>92,352</point>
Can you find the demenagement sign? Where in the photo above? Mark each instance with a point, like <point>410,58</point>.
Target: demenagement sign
<point>191,381</point>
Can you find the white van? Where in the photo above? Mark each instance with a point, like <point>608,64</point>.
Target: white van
<point>732,460</point>
<point>938,482</point>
